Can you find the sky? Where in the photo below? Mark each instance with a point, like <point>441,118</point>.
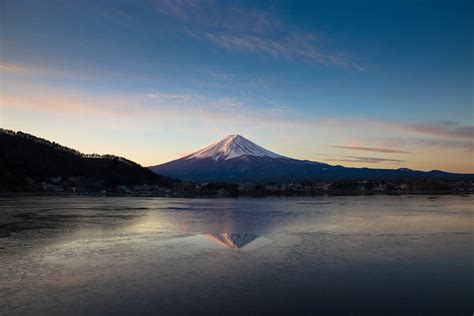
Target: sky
<point>379,84</point>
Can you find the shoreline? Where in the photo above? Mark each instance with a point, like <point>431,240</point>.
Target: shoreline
<point>190,196</point>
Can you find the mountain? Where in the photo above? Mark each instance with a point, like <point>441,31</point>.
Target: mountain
<point>237,159</point>
<point>232,146</point>
<point>233,240</point>
<point>26,161</point>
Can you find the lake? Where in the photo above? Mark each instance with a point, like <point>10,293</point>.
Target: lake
<point>328,255</point>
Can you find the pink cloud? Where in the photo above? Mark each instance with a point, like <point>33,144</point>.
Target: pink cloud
<point>373,149</point>
<point>442,129</point>
<point>359,159</point>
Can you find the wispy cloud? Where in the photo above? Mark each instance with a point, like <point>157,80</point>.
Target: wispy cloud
<point>413,139</point>
<point>293,46</point>
<point>358,159</point>
<point>54,102</point>
<point>424,143</point>
<point>117,17</point>
<point>30,70</point>
<point>177,8</point>
<point>442,129</point>
<point>214,15</point>
<point>51,72</point>
<point>252,31</point>
<point>345,62</point>
<point>373,149</point>
<point>445,129</point>
<point>153,105</point>
<point>79,72</point>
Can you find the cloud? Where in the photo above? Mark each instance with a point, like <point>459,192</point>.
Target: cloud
<point>171,98</point>
<point>401,137</point>
<point>251,31</point>
<point>177,8</point>
<point>27,70</point>
<point>359,159</point>
<point>152,105</point>
<point>373,149</point>
<point>118,17</point>
<point>30,70</point>
<point>248,43</point>
<point>73,71</point>
<point>217,16</point>
<point>294,46</point>
<point>45,101</point>
<point>424,143</point>
<point>345,62</point>
<point>443,129</point>
<point>12,68</point>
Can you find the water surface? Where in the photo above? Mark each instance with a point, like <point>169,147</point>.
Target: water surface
<point>341,255</point>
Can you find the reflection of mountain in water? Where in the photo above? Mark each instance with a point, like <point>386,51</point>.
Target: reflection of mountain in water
<point>233,240</point>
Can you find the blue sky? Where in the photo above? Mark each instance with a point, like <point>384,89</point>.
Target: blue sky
<point>359,83</point>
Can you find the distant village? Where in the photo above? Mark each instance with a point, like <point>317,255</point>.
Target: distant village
<point>84,186</point>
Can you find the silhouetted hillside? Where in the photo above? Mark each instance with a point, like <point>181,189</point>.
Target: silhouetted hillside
<point>26,161</point>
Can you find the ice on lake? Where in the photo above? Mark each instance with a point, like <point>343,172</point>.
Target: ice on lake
<point>359,255</point>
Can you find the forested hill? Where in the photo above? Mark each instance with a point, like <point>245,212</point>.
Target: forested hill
<point>26,161</point>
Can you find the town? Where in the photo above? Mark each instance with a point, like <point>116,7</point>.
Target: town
<point>84,186</point>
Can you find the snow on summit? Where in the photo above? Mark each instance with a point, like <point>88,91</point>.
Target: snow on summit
<point>231,147</point>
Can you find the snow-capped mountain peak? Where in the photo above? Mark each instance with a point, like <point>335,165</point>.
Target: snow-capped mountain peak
<point>230,147</point>
<point>237,160</point>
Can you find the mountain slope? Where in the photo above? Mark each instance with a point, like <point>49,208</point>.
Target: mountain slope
<point>232,146</point>
<point>236,159</point>
<point>26,159</point>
